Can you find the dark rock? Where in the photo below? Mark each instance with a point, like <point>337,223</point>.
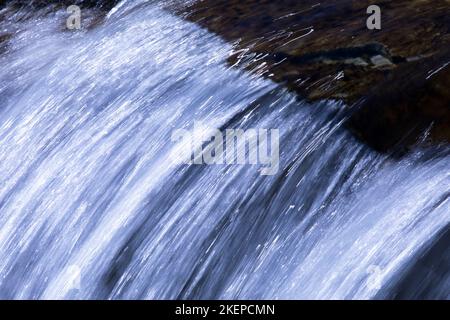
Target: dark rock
<point>325,51</point>
<point>411,103</point>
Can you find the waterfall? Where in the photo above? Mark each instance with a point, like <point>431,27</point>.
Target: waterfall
<point>92,205</point>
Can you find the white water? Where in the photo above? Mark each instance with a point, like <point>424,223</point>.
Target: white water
<point>91,205</point>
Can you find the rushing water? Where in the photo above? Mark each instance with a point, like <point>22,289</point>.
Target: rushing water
<point>92,205</point>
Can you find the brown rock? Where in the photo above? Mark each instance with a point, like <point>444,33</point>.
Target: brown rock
<point>412,103</point>
<point>323,50</point>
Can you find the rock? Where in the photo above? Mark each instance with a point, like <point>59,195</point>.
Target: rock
<point>306,44</point>
<point>379,61</point>
<point>357,62</point>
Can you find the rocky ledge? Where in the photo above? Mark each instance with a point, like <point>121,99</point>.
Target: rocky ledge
<point>395,80</point>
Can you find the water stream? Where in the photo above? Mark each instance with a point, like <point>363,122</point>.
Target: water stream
<point>92,205</point>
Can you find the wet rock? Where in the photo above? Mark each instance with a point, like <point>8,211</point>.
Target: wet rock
<point>323,50</point>
<point>380,61</point>
<point>409,105</point>
<point>357,62</point>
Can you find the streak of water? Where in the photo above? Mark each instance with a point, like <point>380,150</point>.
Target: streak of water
<point>87,184</point>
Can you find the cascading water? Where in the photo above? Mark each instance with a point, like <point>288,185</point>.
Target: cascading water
<point>88,189</point>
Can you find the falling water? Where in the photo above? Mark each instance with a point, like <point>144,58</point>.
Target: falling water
<point>92,206</point>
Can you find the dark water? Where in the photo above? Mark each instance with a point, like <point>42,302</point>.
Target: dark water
<point>92,204</point>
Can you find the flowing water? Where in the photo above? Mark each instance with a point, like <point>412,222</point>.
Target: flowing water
<point>92,204</point>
